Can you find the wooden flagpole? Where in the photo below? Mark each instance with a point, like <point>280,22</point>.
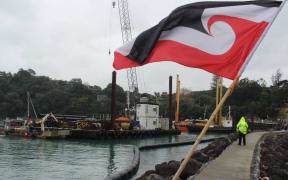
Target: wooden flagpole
<point>199,138</point>
<point>228,92</point>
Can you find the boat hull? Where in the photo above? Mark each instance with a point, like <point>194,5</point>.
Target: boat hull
<point>182,128</point>
<point>194,129</point>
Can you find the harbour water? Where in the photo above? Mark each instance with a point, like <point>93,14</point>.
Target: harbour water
<point>27,158</point>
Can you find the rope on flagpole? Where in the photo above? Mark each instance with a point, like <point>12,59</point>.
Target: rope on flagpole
<point>199,138</point>
<point>260,40</point>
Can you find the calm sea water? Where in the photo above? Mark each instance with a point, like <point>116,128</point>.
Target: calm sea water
<point>26,158</point>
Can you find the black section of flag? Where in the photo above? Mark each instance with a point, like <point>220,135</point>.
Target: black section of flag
<point>188,16</point>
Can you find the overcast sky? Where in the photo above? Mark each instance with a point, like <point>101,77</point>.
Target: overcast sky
<point>66,39</point>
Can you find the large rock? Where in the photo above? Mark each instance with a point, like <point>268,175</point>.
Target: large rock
<point>283,173</point>
<point>271,159</point>
<point>173,166</point>
<point>263,174</point>
<point>154,177</point>
<point>210,147</point>
<point>171,178</point>
<point>167,169</point>
<point>191,168</point>
<point>228,140</point>
<point>201,157</point>
<point>265,150</point>
<point>146,174</point>
<point>233,136</point>
<point>285,166</point>
<point>276,177</point>
<point>211,154</point>
<point>220,148</point>
<point>223,142</point>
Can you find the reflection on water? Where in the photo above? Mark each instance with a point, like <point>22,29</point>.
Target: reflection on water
<point>26,158</point>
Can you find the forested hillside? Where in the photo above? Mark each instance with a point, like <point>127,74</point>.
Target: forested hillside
<point>65,97</point>
<point>60,97</point>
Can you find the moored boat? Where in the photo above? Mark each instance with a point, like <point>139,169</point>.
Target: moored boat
<point>16,127</point>
<point>182,126</point>
<point>198,125</point>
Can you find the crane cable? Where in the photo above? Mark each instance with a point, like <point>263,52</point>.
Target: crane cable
<point>109,25</point>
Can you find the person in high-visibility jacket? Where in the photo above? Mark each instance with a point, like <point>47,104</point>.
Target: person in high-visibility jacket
<point>242,127</point>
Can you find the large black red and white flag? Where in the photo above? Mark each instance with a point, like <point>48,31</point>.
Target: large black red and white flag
<point>215,36</point>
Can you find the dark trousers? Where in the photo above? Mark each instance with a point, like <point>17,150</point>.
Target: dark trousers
<point>242,136</point>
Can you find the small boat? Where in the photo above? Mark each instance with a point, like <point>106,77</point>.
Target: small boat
<point>16,127</point>
<point>20,125</point>
<point>182,125</point>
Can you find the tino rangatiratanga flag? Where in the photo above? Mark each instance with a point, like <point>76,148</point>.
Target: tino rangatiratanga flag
<point>214,36</point>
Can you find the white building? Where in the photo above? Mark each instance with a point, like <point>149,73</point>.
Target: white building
<point>148,115</point>
<point>163,123</point>
<point>76,80</point>
<point>227,123</point>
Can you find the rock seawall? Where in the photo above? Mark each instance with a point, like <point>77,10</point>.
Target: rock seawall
<point>273,157</point>
<point>166,170</point>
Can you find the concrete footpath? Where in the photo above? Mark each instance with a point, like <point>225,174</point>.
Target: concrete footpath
<point>234,162</point>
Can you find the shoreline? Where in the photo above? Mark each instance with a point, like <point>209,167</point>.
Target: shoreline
<point>199,160</point>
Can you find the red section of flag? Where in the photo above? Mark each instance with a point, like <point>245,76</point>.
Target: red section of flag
<point>225,65</point>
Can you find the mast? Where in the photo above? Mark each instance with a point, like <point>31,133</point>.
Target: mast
<point>30,101</point>
<point>205,112</point>
<point>28,107</point>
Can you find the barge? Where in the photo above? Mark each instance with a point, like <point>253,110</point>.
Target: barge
<point>194,128</point>
<point>198,125</point>
<point>50,127</point>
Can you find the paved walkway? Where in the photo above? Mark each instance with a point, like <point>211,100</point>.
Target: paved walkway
<point>234,162</point>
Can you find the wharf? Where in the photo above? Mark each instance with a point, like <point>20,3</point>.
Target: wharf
<point>103,134</point>
<point>234,162</point>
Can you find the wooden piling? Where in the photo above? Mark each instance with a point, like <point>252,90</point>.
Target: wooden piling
<point>177,99</point>
<point>113,100</point>
<point>170,102</point>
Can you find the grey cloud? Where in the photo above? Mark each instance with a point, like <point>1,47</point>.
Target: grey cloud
<point>70,39</point>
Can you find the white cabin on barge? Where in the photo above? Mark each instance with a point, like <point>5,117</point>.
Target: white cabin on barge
<point>148,115</point>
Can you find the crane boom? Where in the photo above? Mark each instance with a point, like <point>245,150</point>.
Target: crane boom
<point>127,36</point>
